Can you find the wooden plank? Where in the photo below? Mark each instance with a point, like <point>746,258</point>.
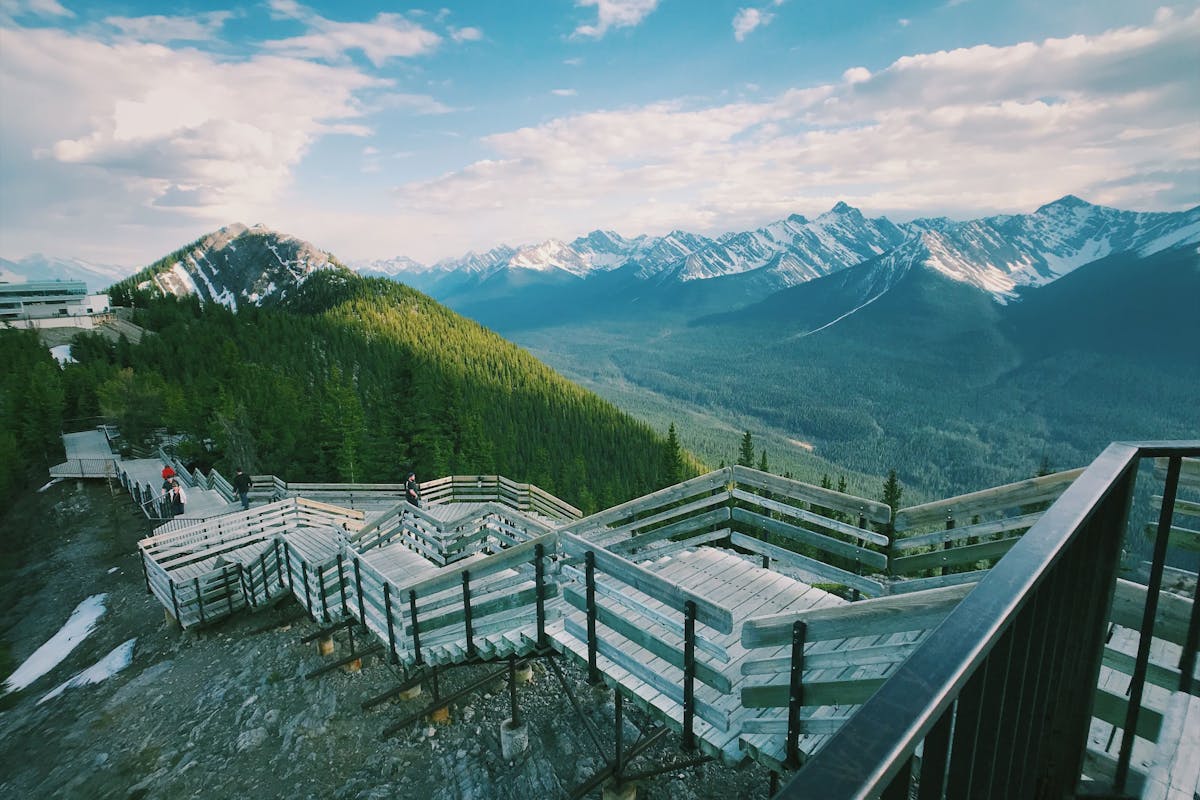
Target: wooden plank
<point>717,516</point>
<point>601,519</point>
<point>1177,536</point>
<point>1171,624</point>
<point>816,693</point>
<point>704,710</point>
<point>1111,708</point>
<point>670,548</point>
<point>1188,508</point>
<point>834,574</point>
<point>854,657</point>
<point>1156,674</point>
<point>671,652</point>
<point>688,510</point>
<point>956,556</point>
<point>642,579</point>
<point>451,576</point>
<point>917,611</point>
<point>999,498</point>
<point>809,516</point>
<point>873,510</point>
<point>1189,471</point>
<point>958,534</point>
<point>936,582</point>
<point>624,597</point>
<point>795,533</point>
<point>808,724</point>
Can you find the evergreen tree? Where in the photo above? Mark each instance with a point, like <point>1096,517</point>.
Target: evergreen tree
<point>672,459</point>
<point>763,466</point>
<point>746,453</point>
<point>891,498</point>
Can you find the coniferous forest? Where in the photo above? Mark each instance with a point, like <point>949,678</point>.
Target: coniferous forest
<point>348,380</point>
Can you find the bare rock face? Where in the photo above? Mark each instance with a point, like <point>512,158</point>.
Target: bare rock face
<point>237,265</point>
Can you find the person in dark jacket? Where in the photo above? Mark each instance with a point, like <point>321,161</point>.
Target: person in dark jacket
<point>241,485</point>
<point>412,490</point>
<point>178,498</point>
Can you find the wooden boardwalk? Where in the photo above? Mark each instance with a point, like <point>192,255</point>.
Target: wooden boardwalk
<point>650,594</point>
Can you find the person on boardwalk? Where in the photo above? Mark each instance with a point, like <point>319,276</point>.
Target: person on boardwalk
<point>241,485</point>
<point>178,498</point>
<point>168,473</point>
<point>412,490</point>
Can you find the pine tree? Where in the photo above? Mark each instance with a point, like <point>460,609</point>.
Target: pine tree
<point>746,453</point>
<point>672,459</point>
<point>891,497</point>
<point>763,466</point>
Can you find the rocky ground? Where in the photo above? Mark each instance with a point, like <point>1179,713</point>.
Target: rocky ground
<point>227,712</point>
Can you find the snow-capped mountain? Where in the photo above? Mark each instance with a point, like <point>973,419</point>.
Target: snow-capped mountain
<point>38,267</point>
<point>238,264</point>
<point>998,254</point>
<point>390,267</point>
<point>1002,254</point>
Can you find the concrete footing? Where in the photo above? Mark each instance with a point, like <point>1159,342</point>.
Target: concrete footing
<point>514,739</point>
<point>353,666</point>
<point>523,672</point>
<point>626,790</point>
<point>440,715</point>
<point>325,646</point>
<point>172,623</point>
<point>411,694</point>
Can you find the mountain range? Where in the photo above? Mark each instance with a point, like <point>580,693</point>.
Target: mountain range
<point>1000,254</point>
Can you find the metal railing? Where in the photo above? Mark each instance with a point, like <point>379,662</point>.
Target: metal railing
<point>999,696</point>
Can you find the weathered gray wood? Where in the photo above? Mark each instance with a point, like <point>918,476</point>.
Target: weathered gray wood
<point>1171,623</point>
<point>715,517</point>
<point>664,549</point>
<point>671,652</point>
<point>936,582</point>
<point>957,556</point>
<point>687,510</point>
<point>1186,507</point>
<point>668,688</point>
<point>907,612</point>
<point>809,516</point>
<point>795,533</point>
<point>834,659</point>
<point>1157,674</point>
<point>709,613</point>
<point>451,576</point>
<point>625,598</point>
<point>999,498</point>
<point>873,510</point>
<point>809,724</point>
<point>1111,708</point>
<point>816,693</point>
<point>600,520</point>
<point>1189,471</point>
<point>1177,536</point>
<point>958,534</point>
<point>833,574</point>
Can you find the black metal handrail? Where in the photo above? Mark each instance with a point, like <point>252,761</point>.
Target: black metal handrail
<point>1001,692</point>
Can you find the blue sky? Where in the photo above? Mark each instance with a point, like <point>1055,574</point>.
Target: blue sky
<point>375,130</point>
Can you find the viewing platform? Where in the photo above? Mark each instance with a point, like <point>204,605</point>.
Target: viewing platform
<point>763,619</point>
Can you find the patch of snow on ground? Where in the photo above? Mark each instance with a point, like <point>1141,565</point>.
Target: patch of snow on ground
<point>77,628</point>
<point>118,659</point>
<point>62,354</point>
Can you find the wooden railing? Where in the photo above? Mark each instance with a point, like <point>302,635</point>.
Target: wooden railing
<point>1000,696</point>
<point>496,488</point>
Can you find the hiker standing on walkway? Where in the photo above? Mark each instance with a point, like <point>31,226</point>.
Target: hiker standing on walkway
<point>412,490</point>
<point>241,484</point>
<point>178,498</point>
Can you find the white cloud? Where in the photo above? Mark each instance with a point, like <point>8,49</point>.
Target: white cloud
<point>615,14</point>
<point>573,62</point>
<point>466,34</point>
<point>386,37</point>
<point>972,130</point>
<point>139,129</point>
<point>158,28</point>
<point>37,8</point>
<point>747,20</point>
<point>564,92</point>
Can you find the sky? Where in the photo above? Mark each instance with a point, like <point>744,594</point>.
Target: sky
<point>375,130</point>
